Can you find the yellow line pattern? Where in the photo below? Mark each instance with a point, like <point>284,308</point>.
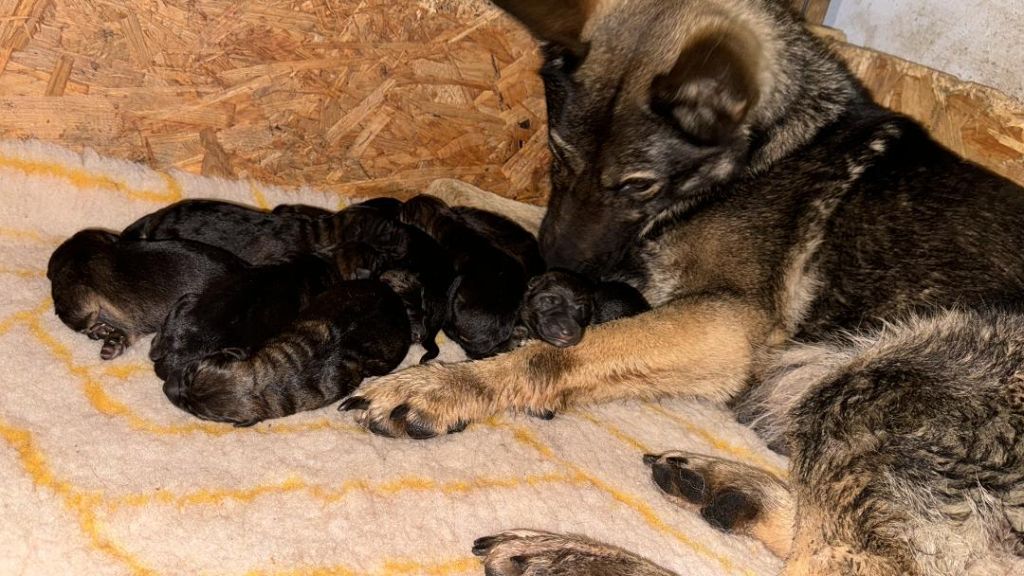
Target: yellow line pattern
<point>103,384</point>
<point>83,179</point>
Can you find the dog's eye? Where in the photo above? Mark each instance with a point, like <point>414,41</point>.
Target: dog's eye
<point>639,187</point>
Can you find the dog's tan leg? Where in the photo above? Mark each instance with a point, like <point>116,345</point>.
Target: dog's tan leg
<point>700,347</point>
<point>731,496</point>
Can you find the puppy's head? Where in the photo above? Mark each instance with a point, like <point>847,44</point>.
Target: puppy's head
<point>218,387</point>
<point>482,311</point>
<point>558,307</point>
<point>649,106</point>
<point>74,267</point>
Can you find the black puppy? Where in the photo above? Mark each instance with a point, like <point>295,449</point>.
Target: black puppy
<point>484,298</point>
<point>256,236</point>
<point>239,312</point>
<point>116,290</point>
<point>376,245</point>
<point>354,330</point>
<point>559,305</point>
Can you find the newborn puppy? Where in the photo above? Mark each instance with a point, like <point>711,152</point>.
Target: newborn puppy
<point>559,305</point>
<point>354,330</point>
<point>116,291</point>
<point>241,311</point>
<point>405,258</point>
<point>484,298</point>
<point>256,236</point>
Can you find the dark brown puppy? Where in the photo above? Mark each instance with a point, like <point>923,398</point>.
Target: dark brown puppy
<point>241,312</point>
<point>256,236</point>
<point>116,291</point>
<point>484,298</point>
<point>354,330</point>
<point>376,245</point>
<point>559,305</point>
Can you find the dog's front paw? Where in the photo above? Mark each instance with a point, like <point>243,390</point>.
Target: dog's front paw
<point>534,553</point>
<point>422,401</point>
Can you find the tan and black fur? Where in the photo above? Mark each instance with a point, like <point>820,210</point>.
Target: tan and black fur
<point>715,155</point>
<point>117,290</point>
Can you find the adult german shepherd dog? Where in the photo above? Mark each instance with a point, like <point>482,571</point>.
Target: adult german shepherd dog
<point>848,282</point>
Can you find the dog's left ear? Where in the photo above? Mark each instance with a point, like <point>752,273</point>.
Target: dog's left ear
<point>559,22</point>
<point>712,86</point>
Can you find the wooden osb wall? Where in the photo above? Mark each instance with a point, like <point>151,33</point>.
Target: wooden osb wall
<point>361,96</point>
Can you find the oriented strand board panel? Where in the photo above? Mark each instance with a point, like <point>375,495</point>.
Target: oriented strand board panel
<point>359,96</point>
<point>364,97</point>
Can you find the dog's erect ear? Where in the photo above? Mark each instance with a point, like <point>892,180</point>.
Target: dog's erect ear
<point>557,21</point>
<point>712,86</point>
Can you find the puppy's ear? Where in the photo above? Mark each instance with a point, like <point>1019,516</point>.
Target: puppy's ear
<point>558,22</point>
<point>712,87</point>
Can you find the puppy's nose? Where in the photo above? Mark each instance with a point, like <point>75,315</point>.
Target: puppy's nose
<point>173,390</point>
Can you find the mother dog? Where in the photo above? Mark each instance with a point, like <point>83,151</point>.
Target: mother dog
<point>811,255</point>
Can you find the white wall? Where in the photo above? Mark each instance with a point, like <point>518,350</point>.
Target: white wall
<point>978,40</point>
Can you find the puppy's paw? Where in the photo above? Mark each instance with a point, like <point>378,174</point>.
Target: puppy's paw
<point>533,553</point>
<point>113,345</point>
<point>422,401</point>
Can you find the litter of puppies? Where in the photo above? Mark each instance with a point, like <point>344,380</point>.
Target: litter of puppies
<point>261,314</point>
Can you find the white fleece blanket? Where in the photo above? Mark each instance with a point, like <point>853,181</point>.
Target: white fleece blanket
<point>99,474</point>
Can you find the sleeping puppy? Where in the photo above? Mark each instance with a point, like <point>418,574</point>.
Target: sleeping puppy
<point>484,298</point>
<point>354,330</point>
<point>116,290</point>
<point>241,311</point>
<point>559,305</point>
<point>256,236</point>
<point>405,258</point>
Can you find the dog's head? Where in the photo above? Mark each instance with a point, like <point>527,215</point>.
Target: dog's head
<point>648,108</point>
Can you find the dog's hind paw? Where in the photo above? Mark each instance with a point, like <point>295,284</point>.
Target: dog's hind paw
<point>728,495</point>
<point>533,553</point>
